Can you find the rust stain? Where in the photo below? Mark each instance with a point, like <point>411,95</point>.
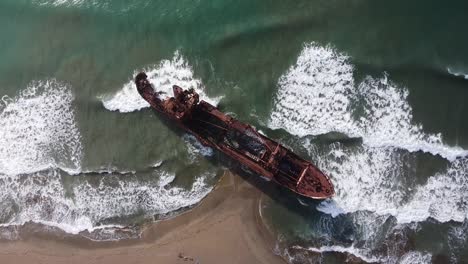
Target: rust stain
<point>238,140</point>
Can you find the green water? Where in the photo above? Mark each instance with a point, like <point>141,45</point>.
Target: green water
<point>240,51</point>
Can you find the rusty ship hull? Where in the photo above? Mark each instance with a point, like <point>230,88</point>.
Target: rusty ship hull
<point>238,140</point>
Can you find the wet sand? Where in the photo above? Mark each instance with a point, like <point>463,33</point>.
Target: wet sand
<point>225,228</point>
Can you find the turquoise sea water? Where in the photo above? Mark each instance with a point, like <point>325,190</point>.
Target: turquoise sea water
<point>374,92</point>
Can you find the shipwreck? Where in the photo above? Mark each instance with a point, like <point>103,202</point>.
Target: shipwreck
<point>238,140</point>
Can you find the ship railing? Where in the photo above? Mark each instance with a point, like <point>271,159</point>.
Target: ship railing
<point>302,175</point>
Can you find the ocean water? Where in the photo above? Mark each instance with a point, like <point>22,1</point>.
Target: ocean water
<point>375,93</point>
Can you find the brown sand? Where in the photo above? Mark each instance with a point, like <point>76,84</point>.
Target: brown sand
<point>224,228</point>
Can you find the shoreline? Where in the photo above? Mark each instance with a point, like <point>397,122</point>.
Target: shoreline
<point>225,227</point>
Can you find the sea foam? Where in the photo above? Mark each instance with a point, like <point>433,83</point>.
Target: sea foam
<point>457,73</point>
<point>318,95</point>
<point>413,257</point>
<point>72,3</point>
<point>377,180</point>
<point>163,76</point>
<point>314,95</point>
<point>87,206</point>
<point>40,143</point>
<point>341,249</point>
<point>108,6</point>
<point>368,247</point>
<point>195,148</point>
<point>38,130</point>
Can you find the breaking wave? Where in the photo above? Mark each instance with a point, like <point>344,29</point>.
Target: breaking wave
<point>41,179</point>
<point>104,5</point>
<point>62,2</point>
<point>376,180</point>
<point>86,206</point>
<point>370,245</point>
<point>416,257</point>
<point>72,3</point>
<point>314,95</point>
<point>348,250</point>
<point>457,241</point>
<point>457,73</point>
<point>38,130</point>
<point>163,76</point>
<point>196,148</point>
<point>318,95</point>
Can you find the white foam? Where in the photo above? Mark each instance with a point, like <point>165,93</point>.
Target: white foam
<point>38,130</point>
<point>317,95</point>
<point>102,5</point>
<point>457,73</point>
<point>71,3</point>
<point>105,170</point>
<point>77,226</point>
<point>165,179</point>
<point>132,196</point>
<point>457,241</point>
<point>157,164</point>
<point>60,2</point>
<point>416,257</point>
<point>126,100</point>
<point>388,121</point>
<point>196,148</point>
<point>376,180</point>
<point>364,180</point>
<point>369,234</point>
<point>163,76</point>
<point>413,257</point>
<point>39,140</point>
<point>349,250</point>
<point>330,207</point>
<point>42,198</point>
<point>443,197</point>
<point>314,95</point>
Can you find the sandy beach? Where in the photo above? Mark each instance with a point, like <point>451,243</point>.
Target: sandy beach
<point>225,228</point>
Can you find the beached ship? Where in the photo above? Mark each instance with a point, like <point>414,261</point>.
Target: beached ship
<point>238,140</point>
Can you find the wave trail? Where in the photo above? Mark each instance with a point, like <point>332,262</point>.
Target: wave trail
<point>167,73</point>
<point>38,130</point>
<point>318,95</point>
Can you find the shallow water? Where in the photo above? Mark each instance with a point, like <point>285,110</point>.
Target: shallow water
<point>80,150</point>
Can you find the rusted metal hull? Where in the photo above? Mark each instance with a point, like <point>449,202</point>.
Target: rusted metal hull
<point>239,141</point>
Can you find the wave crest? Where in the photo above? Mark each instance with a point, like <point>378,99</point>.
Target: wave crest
<point>317,95</point>
<point>91,204</point>
<point>376,180</point>
<point>38,130</point>
<point>163,76</point>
